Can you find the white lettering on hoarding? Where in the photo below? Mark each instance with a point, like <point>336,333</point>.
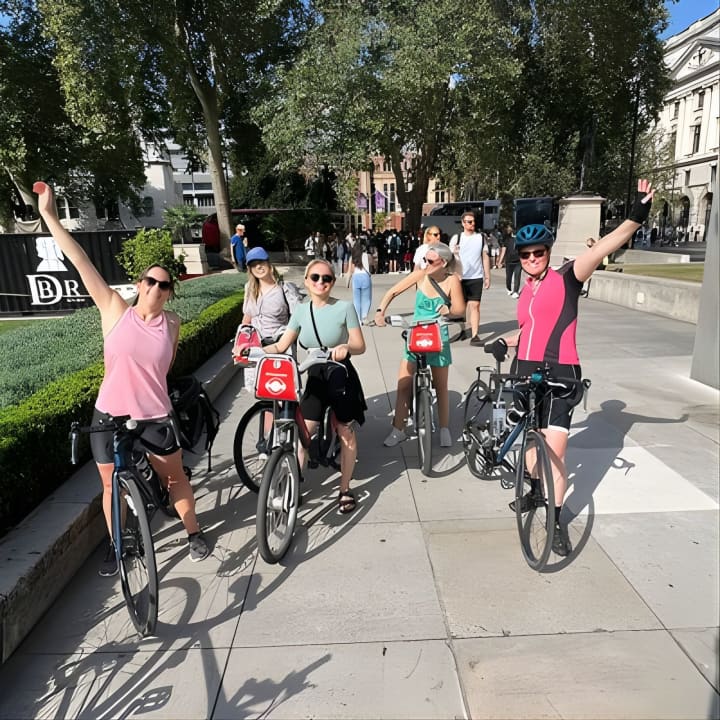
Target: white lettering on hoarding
<point>47,290</point>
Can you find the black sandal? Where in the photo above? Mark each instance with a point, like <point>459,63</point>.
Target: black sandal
<point>346,502</point>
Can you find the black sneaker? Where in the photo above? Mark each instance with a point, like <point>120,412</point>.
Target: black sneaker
<point>476,341</point>
<point>198,547</point>
<point>561,541</point>
<point>109,567</point>
<point>527,502</point>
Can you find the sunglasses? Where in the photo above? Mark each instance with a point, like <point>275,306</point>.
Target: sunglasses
<point>162,284</point>
<point>469,221</point>
<point>429,261</point>
<point>436,234</point>
<point>525,254</point>
<point>327,279</point>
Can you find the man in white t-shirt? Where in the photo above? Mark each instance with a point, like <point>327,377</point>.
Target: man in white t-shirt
<point>472,252</point>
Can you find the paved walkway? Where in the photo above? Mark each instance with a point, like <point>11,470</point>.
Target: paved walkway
<point>419,605</point>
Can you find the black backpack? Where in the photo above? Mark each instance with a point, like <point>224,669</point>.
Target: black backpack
<point>195,414</point>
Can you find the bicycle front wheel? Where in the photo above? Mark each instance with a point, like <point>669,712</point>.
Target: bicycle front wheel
<point>138,572</point>
<point>477,424</point>
<point>423,422</point>
<point>277,505</point>
<point>253,444</point>
<point>535,501</point>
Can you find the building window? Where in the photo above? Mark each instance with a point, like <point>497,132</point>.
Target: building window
<point>713,175</point>
<point>205,200</point>
<point>700,101</point>
<point>389,192</point>
<point>695,139</point>
<point>676,111</point>
<point>387,165</point>
<point>687,178</point>
<point>439,196</point>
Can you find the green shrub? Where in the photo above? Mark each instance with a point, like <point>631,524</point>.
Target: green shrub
<point>32,356</point>
<point>34,446</point>
<point>149,247</point>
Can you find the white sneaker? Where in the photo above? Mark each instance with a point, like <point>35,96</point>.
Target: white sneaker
<point>394,438</point>
<point>509,292</point>
<point>515,295</point>
<point>445,438</point>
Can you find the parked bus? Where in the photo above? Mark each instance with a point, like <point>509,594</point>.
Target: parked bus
<point>447,215</point>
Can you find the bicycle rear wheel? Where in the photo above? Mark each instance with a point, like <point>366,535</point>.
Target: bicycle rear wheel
<point>138,572</point>
<point>537,525</point>
<point>477,423</point>
<point>277,505</point>
<point>423,426</point>
<point>252,445</point>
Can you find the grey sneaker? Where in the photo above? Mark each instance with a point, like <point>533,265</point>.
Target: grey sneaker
<point>198,547</point>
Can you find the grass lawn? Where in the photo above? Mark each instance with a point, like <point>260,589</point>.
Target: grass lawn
<point>691,272</point>
<point>6,325</point>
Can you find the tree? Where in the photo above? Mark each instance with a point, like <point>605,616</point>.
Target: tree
<point>389,77</point>
<point>38,137</point>
<point>178,67</point>
<point>587,71</point>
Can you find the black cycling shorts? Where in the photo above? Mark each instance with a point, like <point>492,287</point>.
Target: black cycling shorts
<point>472,289</point>
<point>556,408</point>
<point>157,440</point>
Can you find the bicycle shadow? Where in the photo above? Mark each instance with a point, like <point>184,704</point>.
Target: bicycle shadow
<point>603,432</point>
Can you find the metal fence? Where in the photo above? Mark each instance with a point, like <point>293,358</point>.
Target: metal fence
<point>36,278</point>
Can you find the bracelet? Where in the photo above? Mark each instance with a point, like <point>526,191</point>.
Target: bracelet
<point>379,310</point>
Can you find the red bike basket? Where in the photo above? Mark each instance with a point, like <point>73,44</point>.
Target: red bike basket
<point>277,379</point>
<point>425,338</point>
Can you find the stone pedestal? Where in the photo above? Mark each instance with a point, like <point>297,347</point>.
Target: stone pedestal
<point>578,220</point>
<point>195,258</point>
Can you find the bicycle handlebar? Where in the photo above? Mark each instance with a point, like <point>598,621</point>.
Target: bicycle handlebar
<point>113,424</point>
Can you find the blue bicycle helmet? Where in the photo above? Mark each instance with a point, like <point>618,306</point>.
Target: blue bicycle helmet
<point>534,235</point>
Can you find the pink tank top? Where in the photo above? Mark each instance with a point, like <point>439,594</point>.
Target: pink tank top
<point>137,359</point>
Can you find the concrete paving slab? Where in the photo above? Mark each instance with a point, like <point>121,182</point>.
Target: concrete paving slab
<point>413,680</point>
<point>48,686</point>
<point>459,495</point>
<point>469,556</point>
<point>631,481</point>
<point>623,675</point>
<point>702,647</point>
<point>671,559</point>
<point>349,583</point>
<point>151,684</point>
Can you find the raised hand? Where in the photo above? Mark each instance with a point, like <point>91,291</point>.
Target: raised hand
<point>46,198</point>
<point>643,201</point>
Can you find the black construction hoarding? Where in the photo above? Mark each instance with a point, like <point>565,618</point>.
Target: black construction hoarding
<point>36,278</point>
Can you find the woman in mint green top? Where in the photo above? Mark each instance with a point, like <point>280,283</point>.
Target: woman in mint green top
<point>337,328</point>
<point>429,305</point>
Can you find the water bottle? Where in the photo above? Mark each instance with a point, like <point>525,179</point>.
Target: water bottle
<point>498,417</point>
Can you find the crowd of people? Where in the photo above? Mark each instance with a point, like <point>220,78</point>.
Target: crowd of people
<point>449,280</point>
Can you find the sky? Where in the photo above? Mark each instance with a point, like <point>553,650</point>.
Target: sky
<point>686,12</point>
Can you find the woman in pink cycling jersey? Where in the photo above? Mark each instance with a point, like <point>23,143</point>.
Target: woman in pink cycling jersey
<point>547,315</point>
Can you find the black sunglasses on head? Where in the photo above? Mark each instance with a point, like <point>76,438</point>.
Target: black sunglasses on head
<point>162,284</point>
<point>325,278</point>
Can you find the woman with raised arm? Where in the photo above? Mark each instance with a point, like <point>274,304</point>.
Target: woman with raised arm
<point>139,345</point>
<point>325,322</point>
<point>439,292</point>
<point>547,315</point>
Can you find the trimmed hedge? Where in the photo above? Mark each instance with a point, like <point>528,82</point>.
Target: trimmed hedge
<point>34,446</point>
<point>34,355</point>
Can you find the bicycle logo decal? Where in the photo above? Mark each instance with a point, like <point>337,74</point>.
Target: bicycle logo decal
<point>275,386</point>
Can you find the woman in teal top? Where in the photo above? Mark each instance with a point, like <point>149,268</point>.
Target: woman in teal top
<point>429,305</point>
<point>324,322</point>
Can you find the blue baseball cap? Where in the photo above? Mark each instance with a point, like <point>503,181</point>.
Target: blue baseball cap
<point>256,254</point>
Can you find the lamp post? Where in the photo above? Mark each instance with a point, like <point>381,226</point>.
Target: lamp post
<point>633,141</point>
